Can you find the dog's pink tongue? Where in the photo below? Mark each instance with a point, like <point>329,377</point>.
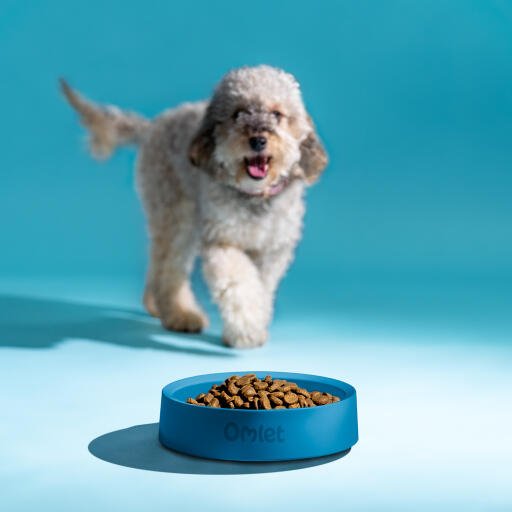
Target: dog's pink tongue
<point>257,168</point>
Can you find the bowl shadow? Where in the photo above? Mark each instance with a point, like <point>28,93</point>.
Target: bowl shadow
<point>138,447</point>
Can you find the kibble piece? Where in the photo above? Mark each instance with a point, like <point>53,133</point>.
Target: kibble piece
<point>226,397</point>
<point>302,391</point>
<point>231,405</point>
<point>246,405</point>
<point>290,398</point>
<point>280,407</point>
<point>302,401</point>
<point>214,403</point>
<point>330,397</point>
<point>192,401</point>
<point>232,388</point>
<point>256,403</point>
<point>278,394</point>
<point>310,402</point>
<point>294,406</point>
<point>259,385</point>
<point>321,400</point>
<point>265,403</point>
<point>268,379</point>
<point>335,398</point>
<point>275,400</point>
<point>246,379</point>
<point>238,401</point>
<point>200,396</point>
<point>248,391</point>
<point>276,384</point>
<point>208,398</point>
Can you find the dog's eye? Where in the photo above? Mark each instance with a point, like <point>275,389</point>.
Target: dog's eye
<point>277,115</point>
<point>239,111</point>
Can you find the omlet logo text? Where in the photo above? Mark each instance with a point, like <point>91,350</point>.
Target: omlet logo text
<point>261,434</point>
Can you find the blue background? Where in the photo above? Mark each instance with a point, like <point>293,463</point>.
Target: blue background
<point>413,100</point>
<point>401,285</point>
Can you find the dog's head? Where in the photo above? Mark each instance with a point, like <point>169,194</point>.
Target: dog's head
<point>256,134</point>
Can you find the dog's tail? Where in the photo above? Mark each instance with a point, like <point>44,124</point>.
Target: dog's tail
<point>109,127</point>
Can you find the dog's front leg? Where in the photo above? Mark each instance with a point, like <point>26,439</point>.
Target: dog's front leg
<point>273,265</point>
<point>244,303</point>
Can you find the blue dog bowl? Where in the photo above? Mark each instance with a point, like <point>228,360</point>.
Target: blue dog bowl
<point>262,435</point>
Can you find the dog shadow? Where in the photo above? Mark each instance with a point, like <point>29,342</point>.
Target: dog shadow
<point>30,323</point>
<point>138,447</point>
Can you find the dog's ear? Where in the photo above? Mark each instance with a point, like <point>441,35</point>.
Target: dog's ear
<point>313,158</point>
<point>201,147</point>
<point>203,144</point>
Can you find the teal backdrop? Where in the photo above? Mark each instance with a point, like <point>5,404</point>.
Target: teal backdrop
<point>412,99</point>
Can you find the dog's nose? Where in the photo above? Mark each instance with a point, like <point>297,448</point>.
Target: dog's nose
<point>257,143</point>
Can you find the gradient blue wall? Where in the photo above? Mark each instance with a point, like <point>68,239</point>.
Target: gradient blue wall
<point>413,100</point>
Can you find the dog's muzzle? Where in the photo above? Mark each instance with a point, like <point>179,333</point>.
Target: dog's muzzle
<point>257,166</point>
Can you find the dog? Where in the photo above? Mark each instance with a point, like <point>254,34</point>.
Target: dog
<point>225,179</point>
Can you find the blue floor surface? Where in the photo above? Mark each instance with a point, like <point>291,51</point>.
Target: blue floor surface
<point>82,367</point>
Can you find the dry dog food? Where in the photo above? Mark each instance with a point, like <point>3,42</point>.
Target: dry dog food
<point>249,392</point>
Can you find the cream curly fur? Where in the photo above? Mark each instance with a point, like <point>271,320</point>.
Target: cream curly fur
<point>199,198</point>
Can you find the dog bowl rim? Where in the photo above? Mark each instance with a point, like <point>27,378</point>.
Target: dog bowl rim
<point>170,389</point>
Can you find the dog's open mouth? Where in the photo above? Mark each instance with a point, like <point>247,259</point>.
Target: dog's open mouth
<point>257,166</point>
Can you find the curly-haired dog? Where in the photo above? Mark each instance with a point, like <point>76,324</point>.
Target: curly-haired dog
<point>223,178</point>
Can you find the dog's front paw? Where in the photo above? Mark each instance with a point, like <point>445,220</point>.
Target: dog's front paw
<point>244,335</point>
<point>185,321</point>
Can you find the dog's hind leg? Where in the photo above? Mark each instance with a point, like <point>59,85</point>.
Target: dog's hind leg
<point>158,250</point>
<point>169,290</point>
